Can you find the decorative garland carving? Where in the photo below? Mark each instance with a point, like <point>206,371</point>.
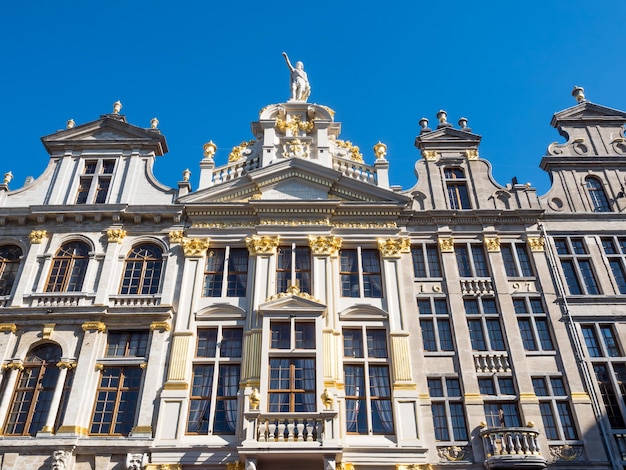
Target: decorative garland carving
<point>240,151</point>
<point>353,150</point>
<point>292,290</point>
<point>454,453</point>
<point>295,124</point>
<point>176,236</point>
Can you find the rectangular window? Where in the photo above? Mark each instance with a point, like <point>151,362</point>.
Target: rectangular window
<point>292,385</point>
<point>615,251</point>
<point>555,409</point>
<point>608,347</point>
<point>435,324</point>
<point>471,260</point>
<point>367,382</point>
<point>236,262</point>
<point>360,273</point>
<point>293,267</point>
<point>533,324</point>
<point>127,344</point>
<point>502,414</point>
<point>95,181</point>
<point>577,266</point>
<point>516,260</point>
<point>447,408</point>
<point>213,395</point>
<point>484,324</point>
<point>426,261</point>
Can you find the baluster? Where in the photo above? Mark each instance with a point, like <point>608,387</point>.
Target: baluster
<point>290,428</point>
<point>509,443</point>
<point>525,443</point>
<point>281,431</point>
<point>300,427</point>
<point>261,433</point>
<point>271,437</point>
<point>309,431</point>
<point>517,445</point>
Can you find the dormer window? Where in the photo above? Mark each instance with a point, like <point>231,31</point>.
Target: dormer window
<point>95,182</point>
<point>456,186</point>
<point>599,201</point>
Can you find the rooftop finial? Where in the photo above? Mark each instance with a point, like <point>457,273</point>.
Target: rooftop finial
<point>186,174</point>
<point>380,150</point>
<point>424,125</point>
<point>117,107</point>
<point>579,93</point>
<point>8,176</point>
<point>154,123</point>
<point>463,125</point>
<point>443,119</point>
<point>209,150</point>
<point>70,124</point>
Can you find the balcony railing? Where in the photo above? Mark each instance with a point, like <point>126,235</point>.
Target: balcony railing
<point>477,286</point>
<point>309,429</point>
<point>492,363</point>
<point>356,170</point>
<point>60,299</point>
<point>233,170</point>
<point>135,300</point>
<point>512,447</point>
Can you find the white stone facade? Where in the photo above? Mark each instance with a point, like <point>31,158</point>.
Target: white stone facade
<point>297,310</point>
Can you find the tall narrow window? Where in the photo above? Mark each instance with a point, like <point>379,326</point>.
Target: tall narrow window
<point>533,324</point>
<point>9,263</point>
<point>555,410</point>
<point>447,409</point>
<point>142,270</point>
<point>231,263</point>
<point>599,201</point>
<point>516,260</point>
<point>293,268</point>
<point>483,321</point>
<point>435,324</point>
<point>577,267</point>
<point>32,397</point>
<point>426,260</point>
<point>360,273</point>
<point>68,268</point>
<point>471,260</point>
<point>456,185</point>
<point>94,183</point>
<point>216,373</point>
<point>368,389</point>
<point>615,251</point>
<point>117,396</point>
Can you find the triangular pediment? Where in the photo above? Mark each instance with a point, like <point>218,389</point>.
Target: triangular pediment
<point>109,131</point>
<point>587,111</point>
<point>449,134</point>
<point>363,312</point>
<point>293,180</point>
<point>292,304</point>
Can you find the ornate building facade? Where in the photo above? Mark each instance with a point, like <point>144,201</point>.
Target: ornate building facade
<point>297,310</point>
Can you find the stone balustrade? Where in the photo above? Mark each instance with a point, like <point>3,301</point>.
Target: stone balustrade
<point>509,447</point>
<point>60,299</point>
<point>135,300</point>
<point>477,286</point>
<point>355,170</point>
<point>309,429</point>
<point>233,170</point>
<point>492,362</point>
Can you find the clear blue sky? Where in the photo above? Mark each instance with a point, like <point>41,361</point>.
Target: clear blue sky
<point>205,69</point>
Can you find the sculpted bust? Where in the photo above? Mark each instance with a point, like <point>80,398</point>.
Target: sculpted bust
<point>59,460</point>
<point>136,461</point>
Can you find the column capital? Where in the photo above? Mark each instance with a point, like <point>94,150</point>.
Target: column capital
<point>8,327</point>
<point>262,245</point>
<point>446,244</point>
<point>492,244</point>
<point>94,326</point>
<point>536,243</point>
<point>115,235</point>
<point>325,245</point>
<point>394,247</point>
<point>195,247</point>
<point>37,236</point>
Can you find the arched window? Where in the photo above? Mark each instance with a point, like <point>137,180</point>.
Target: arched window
<point>142,270</point>
<point>598,197</point>
<point>9,263</point>
<point>35,386</point>
<point>68,268</point>
<point>456,186</point>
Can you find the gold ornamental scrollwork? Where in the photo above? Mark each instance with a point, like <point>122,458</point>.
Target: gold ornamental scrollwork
<point>566,453</point>
<point>536,243</point>
<point>37,236</point>
<point>353,150</point>
<point>446,245</point>
<point>94,326</point>
<point>176,236</point>
<point>327,399</point>
<point>238,151</point>
<point>262,245</point>
<point>160,325</point>
<point>116,235</point>
<point>292,290</point>
<point>164,466</point>
<point>413,466</point>
<point>235,466</point>
<point>325,245</point>
<point>69,365</point>
<point>471,154</point>
<point>195,247</point>
<point>429,155</point>
<point>8,327</point>
<point>254,399</point>
<point>345,466</point>
<point>15,365</point>
<point>492,243</point>
<point>295,124</point>
<point>394,247</point>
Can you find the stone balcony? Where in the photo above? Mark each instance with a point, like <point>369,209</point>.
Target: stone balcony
<point>300,430</point>
<point>477,286</point>
<point>510,448</point>
<point>135,300</point>
<point>59,299</point>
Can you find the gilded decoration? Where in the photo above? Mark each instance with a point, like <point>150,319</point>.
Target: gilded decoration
<point>164,466</point>
<point>454,453</point>
<point>536,243</point>
<point>8,327</point>
<point>492,243</point>
<point>294,125</point>
<point>292,290</point>
<point>160,325</point>
<point>446,245</point>
<point>195,247</point>
<point>116,235</point>
<point>327,399</point>
<point>15,365</point>
<point>353,150</point>
<point>365,225</point>
<point>566,453</point>
<point>48,328</point>
<point>295,222</point>
<point>413,466</point>
<point>235,466</point>
<point>344,466</point>
<point>471,154</point>
<point>380,150</point>
<point>394,247</point>
<point>240,150</point>
<point>295,149</point>
<point>69,365</point>
<point>37,236</point>
<point>94,326</point>
<point>222,224</point>
<point>262,245</point>
<point>325,245</point>
<point>429,155</point>
<point>209,150</point>
<point>254,399</point>
<point>176,236</point>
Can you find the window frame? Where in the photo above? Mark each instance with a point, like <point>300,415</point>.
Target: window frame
<point>293,267</point>
<point>578,281</point>
<point>457,188</point>
<point>485,319</point>
<point>143,272</point>
<point>67,268</point>
<point>514,266</point>
<point>90,189</point>
<point>552,410</point>
<point>616,259</point>
<point>597,195</point>
<point>533,317</point>
<point>431,313</point>
<point>428,256</point>
<point>361,276</point>
<point>236,284</point>
<point>445,401</point>
<point>10,261</point>
<point>473,263</point>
